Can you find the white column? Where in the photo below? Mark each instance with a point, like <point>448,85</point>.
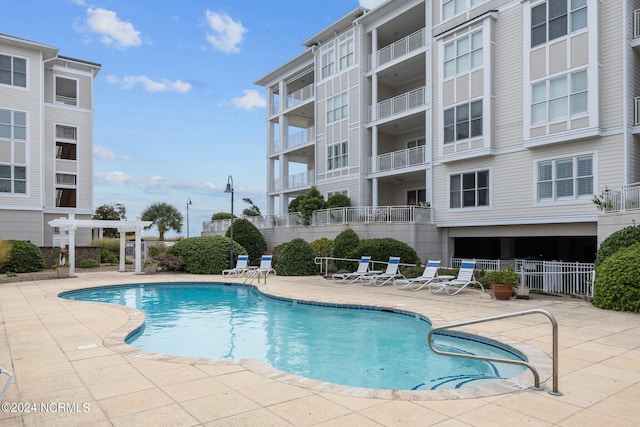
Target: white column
<point>123,242</point>
<point>138,261</point>
<point>72,251</point>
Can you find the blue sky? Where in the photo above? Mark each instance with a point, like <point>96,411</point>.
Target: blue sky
<point>176,110</point>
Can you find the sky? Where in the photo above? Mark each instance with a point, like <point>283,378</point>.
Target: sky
<point>176,110</point>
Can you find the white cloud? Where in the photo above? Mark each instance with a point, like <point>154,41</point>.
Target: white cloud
<point>226,33</point>
<point>103,153</point>
<point>113,30</point>
<point>370,4</point>
<point>250,100</point>
<point>164,85</point>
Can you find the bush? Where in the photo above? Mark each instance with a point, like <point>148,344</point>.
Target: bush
<point>24,257</point>
<point>206,255</point>
<point>620,239</point>
<point>109,250</point>
<point>221,215</point>
<point>250,238</point>
<point>617,285</point>
<point>343,244</point>
<point>89,263</point>
<point>338,200</point>
<point>322,247</point>
<point>384,248</point>
<point>295,258</point>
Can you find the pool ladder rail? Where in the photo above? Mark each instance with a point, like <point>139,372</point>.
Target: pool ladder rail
<point>533,370</point>
<point>7,384</point>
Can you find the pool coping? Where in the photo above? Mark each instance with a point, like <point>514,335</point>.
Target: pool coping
<point>116,342</point>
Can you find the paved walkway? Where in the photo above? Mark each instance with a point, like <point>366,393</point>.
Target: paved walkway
<point>72,368</point>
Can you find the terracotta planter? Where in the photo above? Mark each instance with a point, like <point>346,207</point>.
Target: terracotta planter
<point>63,271</point>
<point>502,292</point>
<point>151,268</point>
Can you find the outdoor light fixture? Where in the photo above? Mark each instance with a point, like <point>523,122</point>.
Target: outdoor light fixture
<point>188,203</point>
<point>229,189</point>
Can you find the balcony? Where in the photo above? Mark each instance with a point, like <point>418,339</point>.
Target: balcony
<point>399,104</point>
<point>294,140</point>
<point>398,49</point>
<point>626,198</point>
<point>297,180</point>
<point>397,160</point>
<point>300,96</point>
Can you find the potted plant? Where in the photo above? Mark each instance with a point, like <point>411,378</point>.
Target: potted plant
<point>503,282</point>
<point>62,262</point>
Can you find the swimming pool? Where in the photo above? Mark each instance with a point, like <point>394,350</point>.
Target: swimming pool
<point>348,345</point>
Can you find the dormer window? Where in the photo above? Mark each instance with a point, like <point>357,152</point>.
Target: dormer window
<point>66,91</point>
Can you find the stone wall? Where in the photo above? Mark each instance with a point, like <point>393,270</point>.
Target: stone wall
<point>82,253</point>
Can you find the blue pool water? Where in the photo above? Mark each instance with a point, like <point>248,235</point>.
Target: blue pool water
<point>352,346</point>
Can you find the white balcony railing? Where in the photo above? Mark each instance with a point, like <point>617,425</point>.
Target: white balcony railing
<point>301,137</point>
<point>399,104</point>
<point>300,96</point>
<point>302,179</point>
<point>398,49</point>
<point>350,215</point>
<point>66,100</point>
<point>398,159</point>
<point>626,198</point>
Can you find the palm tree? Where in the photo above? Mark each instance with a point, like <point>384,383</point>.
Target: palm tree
<point>164,216</point>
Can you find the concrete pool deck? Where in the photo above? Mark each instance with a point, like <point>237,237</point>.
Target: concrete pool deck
<point>71,367</point>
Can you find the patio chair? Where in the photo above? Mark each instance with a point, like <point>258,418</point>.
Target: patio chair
<point>429,274</point>
<point>242,266</point>
<point>363,269</point>
<point>390,274</point>
<point>464,279</point>
<point>263,270</point>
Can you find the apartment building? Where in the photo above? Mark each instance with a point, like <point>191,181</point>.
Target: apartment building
<point>505,117</point>
<point>46,140</point>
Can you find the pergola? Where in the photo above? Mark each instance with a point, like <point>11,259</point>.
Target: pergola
<point>71,224</point>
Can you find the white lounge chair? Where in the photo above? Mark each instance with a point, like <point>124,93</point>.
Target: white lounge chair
<point>242,266</point>
<point>5,389</point>
<point>429,274</point>
<point>390,274</point>
<point>363,269</point>
<point>263,270</point>
<point>465,278</point>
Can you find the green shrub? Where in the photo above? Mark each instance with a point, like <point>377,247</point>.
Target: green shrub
<point>343,244</point>
<point>322,247</point>
<point>206,255</point>
<point>24,257</point>
<point>221,215</point>
<point>295,258</point>
<point>338,200</point>
<point>5,249</point>
<point>250,238</point>
<point>383,248</point>
<point>89,263</point>
<point>617,240</point>
<point>617,285</point>
<point>109,250</point>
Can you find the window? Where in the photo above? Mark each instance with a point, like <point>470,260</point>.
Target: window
<point>13,179</point>
<point>337,107</point>
<point>66,147</point>
<point>468,190</point>
<point>463,54</point>
<point>13,125</point>
<point>346,50</point>
<point>557,18</point>
<point>65,197</point>
<point>463,121</point>
<point>327,61</point>
<point>559,97</point>
<point>13,71</point>
<point>451,8</point>
<point>413,143</point>
<point>565,179</point>
<point>65,179</point>
<point>331,193</point>
<point>66,91</point>
<point>416,197</point>
<point>338,156</point>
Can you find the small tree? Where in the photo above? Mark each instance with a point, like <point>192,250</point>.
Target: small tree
<point>165,217</point>
<point>252,210</point>
<point>221,215</point>
<point>110,212</point>
<point>343,244</point>
<point>312,201</point>
<point>338,200</point>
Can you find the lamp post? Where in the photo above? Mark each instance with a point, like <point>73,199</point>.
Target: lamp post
<point>188,203</point>
<point>229,189</point>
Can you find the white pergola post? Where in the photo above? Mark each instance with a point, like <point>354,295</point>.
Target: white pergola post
<point>123,243</point>
<point>138,250</point>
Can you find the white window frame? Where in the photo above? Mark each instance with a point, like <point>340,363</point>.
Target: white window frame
<point>451,8</point>
<point>17,179</point>
<point>420,141</point>
<point>327,60</point>
<point>12,71</point>
<point>337,155</point>
<point>346,50</point>
<point>18,134</point>
<point>460,191</point>
<point>459,123</point>
<point>574,18</point>
<point>331,193</point>
<point>65,100</point>
<point>463,55</point>
<point>555,180</point>
<point>338,107</point>
<point>574,94</point>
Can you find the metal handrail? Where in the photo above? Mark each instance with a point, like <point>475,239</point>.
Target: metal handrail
<point>7,384</point>
<point>533,370</point>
